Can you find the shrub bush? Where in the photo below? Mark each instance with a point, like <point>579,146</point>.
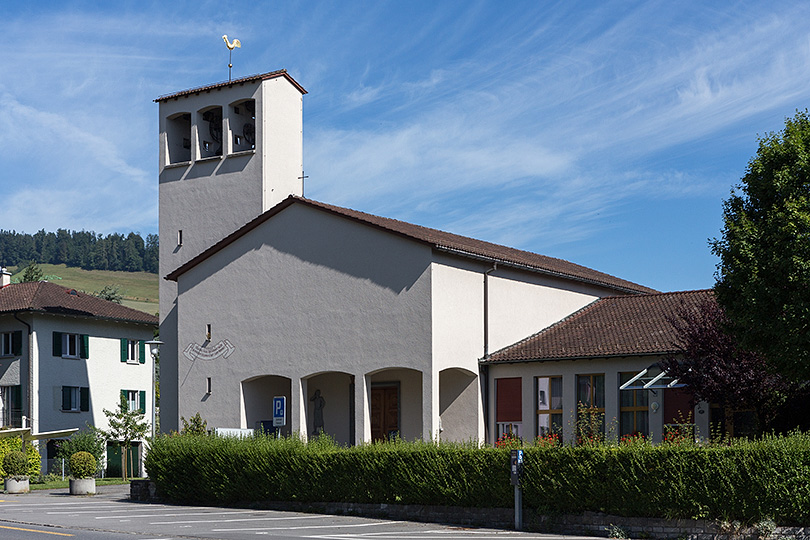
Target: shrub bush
<point>83,465</point>
<point>8,444</point>
<point>748,481</point>
<point>15,464</point>
<point>86,440</point>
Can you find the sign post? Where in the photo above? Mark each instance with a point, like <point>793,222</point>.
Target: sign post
<point>279,413</point>
<point>516,466</point>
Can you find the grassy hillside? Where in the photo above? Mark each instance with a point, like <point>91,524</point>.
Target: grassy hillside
<point>140,289</point>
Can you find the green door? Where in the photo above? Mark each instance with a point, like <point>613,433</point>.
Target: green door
<point>114,460</point>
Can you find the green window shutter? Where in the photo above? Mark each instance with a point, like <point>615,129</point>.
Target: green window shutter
<point>65,398</point>
<point>84,398</point>
<point>84,347</point>
<point>142,351</point>
<point>124,349</point>
<point>142,401</point>
<point>124,398</point>
<point>57,343</point>
<point>16,343</point>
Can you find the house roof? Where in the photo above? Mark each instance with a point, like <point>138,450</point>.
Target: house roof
<point>242,80</point>
<point>440,240</point>
<point>608,327</point>
<point>46,297</point>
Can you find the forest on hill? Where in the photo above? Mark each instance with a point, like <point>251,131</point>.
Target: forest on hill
<point>82,249</point>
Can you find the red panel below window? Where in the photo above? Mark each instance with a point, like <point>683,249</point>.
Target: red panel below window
<point>508,396</point>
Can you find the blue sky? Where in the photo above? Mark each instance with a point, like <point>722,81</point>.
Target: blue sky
<point>604,133</point>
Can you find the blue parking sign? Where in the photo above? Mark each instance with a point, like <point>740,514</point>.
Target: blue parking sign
<point>279,411</point>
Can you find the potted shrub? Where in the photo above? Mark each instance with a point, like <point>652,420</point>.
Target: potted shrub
<point>16,467</point>
<point>82,471</point>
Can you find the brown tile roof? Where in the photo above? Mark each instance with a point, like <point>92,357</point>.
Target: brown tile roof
<point>440,240</point>
<point>45,297</point>
<point>608,327</point>
<point>242,80</point>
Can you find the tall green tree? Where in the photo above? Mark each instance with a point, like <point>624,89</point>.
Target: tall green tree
<point>763,278</point>
<point>126,426</point>
<point>32,272</point>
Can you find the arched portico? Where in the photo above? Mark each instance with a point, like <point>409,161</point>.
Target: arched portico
<point>329,405</point>
<point>257,401</point>
<point>395,404</point>
<point>459,405</point>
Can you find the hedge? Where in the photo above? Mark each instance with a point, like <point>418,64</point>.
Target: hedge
<point>747,481</point>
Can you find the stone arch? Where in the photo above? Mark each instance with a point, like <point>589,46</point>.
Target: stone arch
<point>257,401</point>
<point>458,405</point>
<point>395,399</point>
<point>329,405</point>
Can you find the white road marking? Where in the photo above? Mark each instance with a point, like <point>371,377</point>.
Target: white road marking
<point>228,520</point>
<point>182,514</point>
<point>374,524</point>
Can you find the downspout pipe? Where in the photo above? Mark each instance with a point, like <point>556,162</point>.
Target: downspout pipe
<point>483,369</point>
<point>486,308</point>
<point>30,390</point>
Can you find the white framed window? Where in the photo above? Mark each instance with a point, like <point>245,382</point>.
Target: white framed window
<point>135,400</point>
<point>6,344</point>
<point>71,345</point>
<point>75,398</point>
<point>11,406</point>
<point>132,351</point>
<point>132,400</point>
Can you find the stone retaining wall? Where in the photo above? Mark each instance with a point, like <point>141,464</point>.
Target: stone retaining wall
<point>586,524</point>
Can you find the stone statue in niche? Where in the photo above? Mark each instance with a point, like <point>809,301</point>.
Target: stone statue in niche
<point>317,416</point>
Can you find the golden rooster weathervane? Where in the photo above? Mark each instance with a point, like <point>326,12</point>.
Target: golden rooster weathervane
<point>231,46</point>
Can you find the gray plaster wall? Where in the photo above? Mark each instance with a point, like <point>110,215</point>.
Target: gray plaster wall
<point>305,293</point>
<point>209,198</point>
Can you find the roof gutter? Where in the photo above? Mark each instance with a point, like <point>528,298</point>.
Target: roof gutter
<point>90,316</point>
<point>488,362</point>
<point>534,269</point>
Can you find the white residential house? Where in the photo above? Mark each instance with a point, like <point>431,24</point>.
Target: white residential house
<point>368,326</point>
<point>66,355</point>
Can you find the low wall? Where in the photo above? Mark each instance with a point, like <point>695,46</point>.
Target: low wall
<point>585,524</point>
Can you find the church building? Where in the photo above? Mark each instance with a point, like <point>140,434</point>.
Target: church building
<point>368,326</point>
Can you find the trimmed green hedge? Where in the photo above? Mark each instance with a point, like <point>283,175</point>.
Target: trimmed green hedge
<point>745,481</point>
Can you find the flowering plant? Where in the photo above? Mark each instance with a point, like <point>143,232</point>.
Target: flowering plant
<point>633,438</point>
<point>508,441</point>
<point>549,440</point>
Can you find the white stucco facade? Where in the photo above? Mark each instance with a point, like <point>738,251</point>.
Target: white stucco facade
<point>60,388</point>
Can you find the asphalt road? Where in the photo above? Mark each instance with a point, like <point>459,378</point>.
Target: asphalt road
<point>45,515</point>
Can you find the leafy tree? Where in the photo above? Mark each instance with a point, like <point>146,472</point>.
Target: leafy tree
<point>111,293</point>
<point>125,427</point>
<point>87,440</point>
<point>194,425</point>
<point>715,369</point>
<point>763,278</point>
<point>32,272</point>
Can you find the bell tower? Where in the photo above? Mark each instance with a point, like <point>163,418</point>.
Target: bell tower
<point>228,152</point>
